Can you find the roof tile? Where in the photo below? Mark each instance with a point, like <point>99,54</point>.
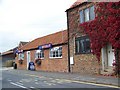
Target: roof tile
<point>55,38</point>
<point>77,3</point>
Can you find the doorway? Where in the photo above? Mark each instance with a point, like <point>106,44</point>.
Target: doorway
<point>111,56</point>
<point>28,59</point>
<point>107,56</point>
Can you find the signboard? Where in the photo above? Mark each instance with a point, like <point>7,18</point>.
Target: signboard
<point>71,60</point>
<point>18,51</point>
<point>31,66</point>
<point>45,46</point>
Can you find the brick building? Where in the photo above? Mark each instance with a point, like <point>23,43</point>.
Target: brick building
<point>10,55</point>
<point>50,49</point>
<point>80,55</point>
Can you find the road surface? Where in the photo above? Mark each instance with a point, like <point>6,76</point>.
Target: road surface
<point>13,79</point>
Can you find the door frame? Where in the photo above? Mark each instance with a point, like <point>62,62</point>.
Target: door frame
<point>28,58</point>
<point>105,57</point>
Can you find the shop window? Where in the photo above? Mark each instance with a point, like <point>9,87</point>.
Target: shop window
<point>56,52</point>
<point>82,45</point>
<point>87,14</point>
<point>39,54</point>
<point>21,56</point>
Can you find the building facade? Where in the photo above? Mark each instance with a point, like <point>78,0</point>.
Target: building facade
<point>10,55</point>
<point>50,50</point>
<point>79,43</point>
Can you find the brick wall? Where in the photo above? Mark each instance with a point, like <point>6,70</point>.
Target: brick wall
<point>83,63</point>
<point>53,65</point>
<point>21,66</point>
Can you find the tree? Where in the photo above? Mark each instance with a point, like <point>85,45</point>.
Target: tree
<point>105,28</point>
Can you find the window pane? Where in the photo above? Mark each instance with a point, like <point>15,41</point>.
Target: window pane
<point>43,54</point>
<point>56,52</point>
<point>39,54</point>
<point>87,45</point>
<point>22,56</point>
<point>19,56</point>
<point>82,44</point>
<point>87,14</point>
<point>77,47</point>
<point>81,17</point>
<point>92,13</point>
<point>53,53</point>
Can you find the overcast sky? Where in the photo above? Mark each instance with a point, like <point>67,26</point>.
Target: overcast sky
<point>25,20</point>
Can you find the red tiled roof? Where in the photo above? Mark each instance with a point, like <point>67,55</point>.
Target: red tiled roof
<point>77,3</point>
<point>55,38</point>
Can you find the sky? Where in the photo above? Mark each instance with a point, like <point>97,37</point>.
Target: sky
<point>25,20</point>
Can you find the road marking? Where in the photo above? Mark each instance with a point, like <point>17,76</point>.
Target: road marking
<point>17,85</point>
<point>32,87</point>
<point>82,82</point>
<point>32,75</point>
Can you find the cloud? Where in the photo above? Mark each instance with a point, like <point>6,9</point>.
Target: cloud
<point>25,20</point>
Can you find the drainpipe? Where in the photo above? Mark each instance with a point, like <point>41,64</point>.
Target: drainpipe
<point>68,44</point>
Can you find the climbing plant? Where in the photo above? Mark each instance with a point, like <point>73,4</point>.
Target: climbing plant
<point>105,28</point>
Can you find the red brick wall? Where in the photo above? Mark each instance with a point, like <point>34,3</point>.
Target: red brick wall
<point>83,63</point>
<point>54,65</point>
<point>21,66</point>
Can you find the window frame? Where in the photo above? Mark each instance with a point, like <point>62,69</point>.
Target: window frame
<point>83,17</point>
<point>21,56</point>
<point>86,14</point>
<point>91,13</point>
<point>39,53</point>
<point>59,51</point>
<point>80,51</point>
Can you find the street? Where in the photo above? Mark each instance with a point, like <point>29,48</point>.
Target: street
<point>14,79</point>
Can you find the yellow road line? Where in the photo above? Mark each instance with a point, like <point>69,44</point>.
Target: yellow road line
<point>92,83</point>
<point>82,82</point>
<point>31,75</point>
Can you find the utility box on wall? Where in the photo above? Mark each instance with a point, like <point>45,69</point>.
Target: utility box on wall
<point>71,60</point>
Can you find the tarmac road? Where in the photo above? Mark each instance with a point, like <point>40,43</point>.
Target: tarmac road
<point>19,79</point>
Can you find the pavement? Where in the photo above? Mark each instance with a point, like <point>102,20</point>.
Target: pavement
<point>97,79</point>
<point>6,68</point>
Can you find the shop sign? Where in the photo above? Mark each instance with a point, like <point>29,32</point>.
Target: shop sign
<point>18,51</point>
<point>45,46</point>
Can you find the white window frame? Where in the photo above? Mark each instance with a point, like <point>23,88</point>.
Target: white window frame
<point>21,56</point>
<point>87,14</point>
<point>39,53</point>
<point>55,49</point>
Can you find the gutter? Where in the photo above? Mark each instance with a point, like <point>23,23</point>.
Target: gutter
<point>69,70</point>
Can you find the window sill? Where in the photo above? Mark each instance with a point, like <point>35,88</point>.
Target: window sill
<point>20,59</point>
<point>39,58</point>
<point>55,57</point>
<point>87,21</point>
<point>82,53</point>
